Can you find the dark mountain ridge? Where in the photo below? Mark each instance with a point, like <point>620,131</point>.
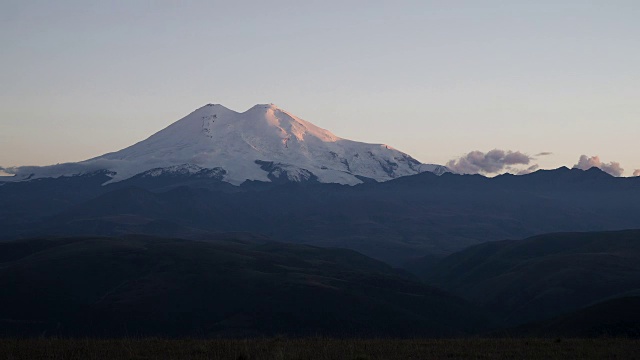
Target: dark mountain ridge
<point>146,286</point>
<point>543,276</point>
<point>395,221</point>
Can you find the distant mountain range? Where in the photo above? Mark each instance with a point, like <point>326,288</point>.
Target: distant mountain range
<point>264,143</point>
<point>397,221</point>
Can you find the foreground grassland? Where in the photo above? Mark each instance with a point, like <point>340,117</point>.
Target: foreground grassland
<point>320,348</point>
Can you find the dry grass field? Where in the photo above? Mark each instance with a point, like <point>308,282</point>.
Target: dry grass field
<point>319,348</point>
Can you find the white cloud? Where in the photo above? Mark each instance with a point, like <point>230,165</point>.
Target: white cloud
<point>586,163</point>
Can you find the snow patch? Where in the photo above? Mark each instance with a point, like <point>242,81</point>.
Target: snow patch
<point>185,170</point>
<point>240,145</point>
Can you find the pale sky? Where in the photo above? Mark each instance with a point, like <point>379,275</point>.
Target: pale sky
<point>436,79</point>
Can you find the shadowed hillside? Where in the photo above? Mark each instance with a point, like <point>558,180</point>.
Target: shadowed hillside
<point>612,318</point>
<point>543,276</point>
<point>152,286</point>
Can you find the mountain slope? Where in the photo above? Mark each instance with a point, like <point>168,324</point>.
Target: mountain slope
<point>612,318</point>
<point>394,221</point>
<point>263,143</point>
<point>139,286</point>
<point>543,276</point>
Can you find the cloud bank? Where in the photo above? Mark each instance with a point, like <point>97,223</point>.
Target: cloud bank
<point>636,173</point>
<point>493,162</point>
<point>586,163</point>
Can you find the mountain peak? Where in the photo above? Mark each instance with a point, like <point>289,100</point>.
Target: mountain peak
<point>219,106</point>
<point>264,143</point>
<point>208,110</point>
<point>264,106</point>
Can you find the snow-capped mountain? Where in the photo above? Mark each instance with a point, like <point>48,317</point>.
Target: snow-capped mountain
<point>263,143</point>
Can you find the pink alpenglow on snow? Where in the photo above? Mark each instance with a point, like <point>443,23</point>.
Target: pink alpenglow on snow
<point>263,143</point>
